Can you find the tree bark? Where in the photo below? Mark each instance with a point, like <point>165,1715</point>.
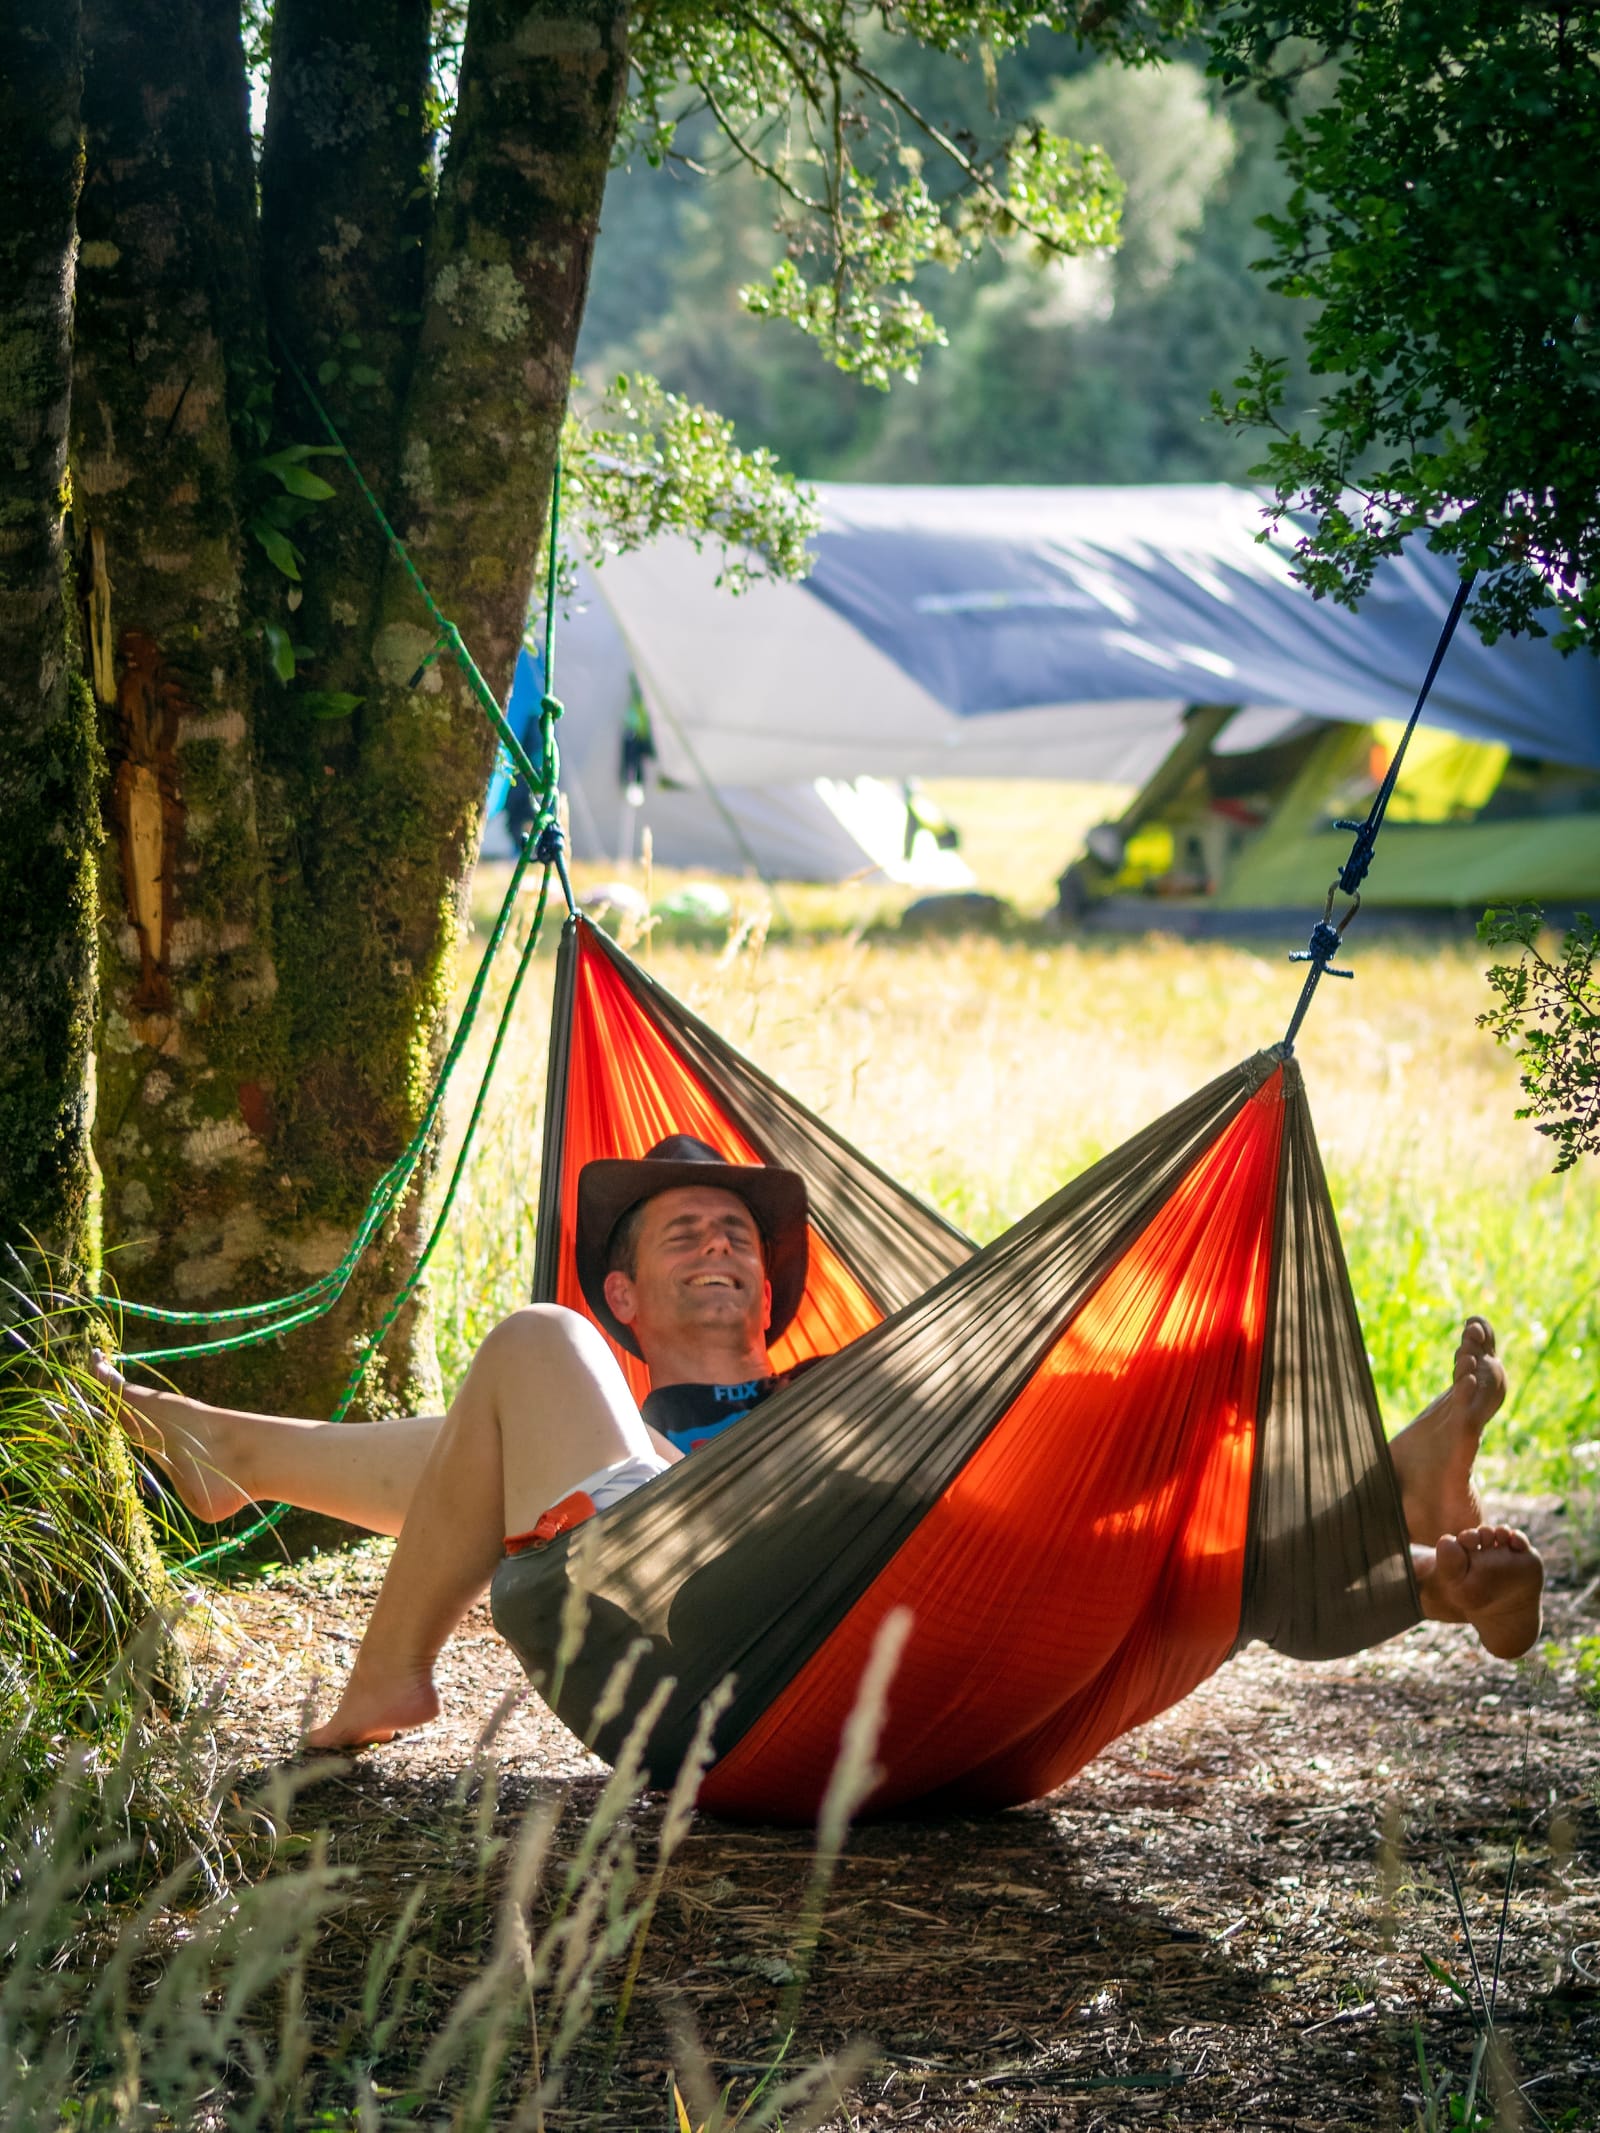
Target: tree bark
<point>269,1062</point>
<point>50,773</point>
<point>165,351</point>
<point>49,821</point>
<point>346,200</point>
<point>503,281</point>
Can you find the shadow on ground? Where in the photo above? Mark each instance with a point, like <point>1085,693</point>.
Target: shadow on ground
<point>1227,1921</point>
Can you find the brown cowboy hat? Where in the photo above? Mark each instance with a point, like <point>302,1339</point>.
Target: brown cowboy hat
<point>610,1189</point>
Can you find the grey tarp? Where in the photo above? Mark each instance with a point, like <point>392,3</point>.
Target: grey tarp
<point>952,632</point>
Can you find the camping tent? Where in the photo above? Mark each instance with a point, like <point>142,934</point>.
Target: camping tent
<point>1016,632</point>
<point>1239,823</point>
<point>1002,632</point>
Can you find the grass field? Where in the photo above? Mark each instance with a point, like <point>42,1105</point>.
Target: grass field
<point>986,1071</point>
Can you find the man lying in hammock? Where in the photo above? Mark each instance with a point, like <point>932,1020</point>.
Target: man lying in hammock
<point>695,1265</point>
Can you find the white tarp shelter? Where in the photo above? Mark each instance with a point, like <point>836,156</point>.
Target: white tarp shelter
<point>1005,632</point>
<point>801,827</point>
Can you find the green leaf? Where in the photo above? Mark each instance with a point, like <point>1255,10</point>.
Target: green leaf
<point>300,482</point>
<point>280,650</point>
<point>328,370</point>
<point>284,511</point>
<point>331,703</point>
<point>281,552</point>
<point>293,454</point>
<point>364,374</point>
<point>288,467</point>
<point>1503,924</point>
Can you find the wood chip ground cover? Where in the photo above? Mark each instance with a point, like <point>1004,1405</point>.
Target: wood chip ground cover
<point>1223,1922</point>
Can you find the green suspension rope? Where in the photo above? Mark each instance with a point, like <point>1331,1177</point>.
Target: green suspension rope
<point>544,843</point>
<point>270,1519</point>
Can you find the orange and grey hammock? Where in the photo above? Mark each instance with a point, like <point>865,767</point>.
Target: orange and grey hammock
<point>1093,1458</point>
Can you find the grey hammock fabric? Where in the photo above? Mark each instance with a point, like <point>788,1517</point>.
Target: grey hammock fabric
<point>1327,1564</point>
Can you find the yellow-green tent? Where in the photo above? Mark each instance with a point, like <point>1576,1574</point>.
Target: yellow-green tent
<point>1232,830</point>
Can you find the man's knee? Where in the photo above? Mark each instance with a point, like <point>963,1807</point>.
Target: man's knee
<point>541,1333</point>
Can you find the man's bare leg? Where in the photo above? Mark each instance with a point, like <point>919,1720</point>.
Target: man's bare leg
<point>219,1459</point>
<point>543,1407</point>
<point>1490,1576</point>
<point>1433,1456</point>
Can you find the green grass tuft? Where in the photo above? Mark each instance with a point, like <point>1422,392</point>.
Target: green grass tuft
<point>78,1574</point>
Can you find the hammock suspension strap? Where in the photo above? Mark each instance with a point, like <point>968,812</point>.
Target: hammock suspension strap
<point>1327,935</point>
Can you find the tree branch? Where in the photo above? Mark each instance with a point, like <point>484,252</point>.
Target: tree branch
<point>973,172</point>
<point>747,154</point>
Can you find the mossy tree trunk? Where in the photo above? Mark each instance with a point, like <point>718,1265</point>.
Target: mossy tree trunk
<point>167,338</point>
<point>49,814</point>
<point>51,771</point>
<point>284,887</point>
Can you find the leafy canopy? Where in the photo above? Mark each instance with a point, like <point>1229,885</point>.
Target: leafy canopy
<point>646,461</point>
<point>1445,219</point>
<point>1547,1007</point>
<point>1089,369</point>
<point>869,187</point>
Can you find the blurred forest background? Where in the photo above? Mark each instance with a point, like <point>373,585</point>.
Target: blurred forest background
<point>1097,369</point>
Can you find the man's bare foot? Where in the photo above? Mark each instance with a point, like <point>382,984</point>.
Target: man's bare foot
<point>184,1439</point>
<point>374,1710</point>
<point>1490,1576</point>
<point>1433,1456</point>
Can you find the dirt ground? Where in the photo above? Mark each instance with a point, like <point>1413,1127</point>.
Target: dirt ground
<point>1223,1922</point>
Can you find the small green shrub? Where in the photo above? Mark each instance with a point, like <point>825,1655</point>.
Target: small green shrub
<point>1548,1010</point>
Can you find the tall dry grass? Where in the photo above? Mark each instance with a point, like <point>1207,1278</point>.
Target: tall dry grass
<point>985,1071</point>
<point>204,1995</point>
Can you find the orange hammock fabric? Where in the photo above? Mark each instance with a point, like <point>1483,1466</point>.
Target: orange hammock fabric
<point>1092,1458</point>
<point>1128,1453</point>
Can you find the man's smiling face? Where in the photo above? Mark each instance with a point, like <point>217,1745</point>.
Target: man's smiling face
<point>698,1268</point>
